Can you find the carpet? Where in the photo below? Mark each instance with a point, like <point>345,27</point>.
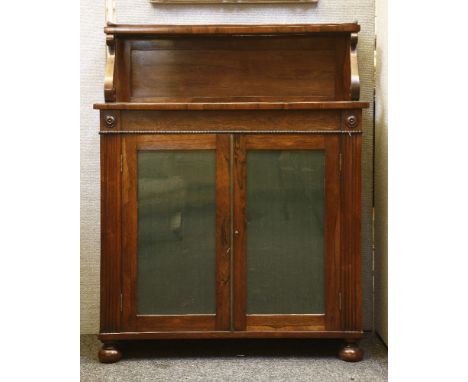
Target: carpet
<point>234,360</point>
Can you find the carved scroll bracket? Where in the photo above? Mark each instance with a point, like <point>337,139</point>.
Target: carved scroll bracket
<point>355,86</point>
<point>109,88</point>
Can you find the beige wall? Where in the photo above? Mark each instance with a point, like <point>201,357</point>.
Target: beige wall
<point>91,82</point>
<point>141,11</point>
<point>380,192</point>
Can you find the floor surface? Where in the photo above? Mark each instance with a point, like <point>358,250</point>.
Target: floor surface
<point>234,360</point>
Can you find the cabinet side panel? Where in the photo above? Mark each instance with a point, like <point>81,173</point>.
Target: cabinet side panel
<point>110,234</point>
<point>351,232</point>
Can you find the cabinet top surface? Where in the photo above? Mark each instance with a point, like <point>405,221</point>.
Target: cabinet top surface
<point>142,29</point>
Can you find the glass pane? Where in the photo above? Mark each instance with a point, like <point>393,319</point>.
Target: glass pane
<point>285,231</point>
<point>176,232</point>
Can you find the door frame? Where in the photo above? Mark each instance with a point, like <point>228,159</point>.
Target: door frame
<point>130,319</point>
<point>330,320</point>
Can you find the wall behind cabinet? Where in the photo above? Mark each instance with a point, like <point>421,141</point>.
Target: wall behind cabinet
<point>141,11</point>
<point>381,173</point>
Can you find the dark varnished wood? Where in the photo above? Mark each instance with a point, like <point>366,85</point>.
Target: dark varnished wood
<point>122,70</point>
<point>350,352</point>
<point>233,67</point>
<point>230,334</point>
<point>274,142</point>
<point>332,232</point>
<point>109,87</point>
<point>330,320</point>
<point>131,320</point>
<point>110,234</point>
<point>223,233</point>
<point>232,104</point>
<point>227,43</point>
<point>351,314</point>
<point>194,322</point>
<point>129,237</point>
<point>147,63</point>
<point>154,63</point>
<point>240,260</point>
<point>110,120</point>
<point>245,88</point>
<point>234,120</point>
<point>141,30</point>
<point>285,322</point>
<point>342,68</point>
<point>109,353</point>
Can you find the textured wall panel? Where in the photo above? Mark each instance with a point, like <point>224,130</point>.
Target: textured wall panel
<point>141,11</point>
<point>92,74</point>
<point>380,192</point>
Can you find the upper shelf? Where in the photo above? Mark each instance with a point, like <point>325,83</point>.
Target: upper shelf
<point>150,63</point>
<point>132,29</point>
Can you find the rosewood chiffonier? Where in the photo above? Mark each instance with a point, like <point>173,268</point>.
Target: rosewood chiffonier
<point>230,184</point>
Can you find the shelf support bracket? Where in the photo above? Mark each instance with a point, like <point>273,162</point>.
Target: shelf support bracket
<point>109,88</point>
<point>355,86</point>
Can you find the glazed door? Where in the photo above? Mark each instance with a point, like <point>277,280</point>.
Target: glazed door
<point>286,232</point>
<point>176,233</point>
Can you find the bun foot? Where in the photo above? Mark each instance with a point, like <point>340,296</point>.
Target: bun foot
<point>351,352</point>
<point>109,353</point>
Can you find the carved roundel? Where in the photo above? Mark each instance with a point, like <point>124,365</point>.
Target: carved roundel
<point>110,120</point>
<point>351,121</point>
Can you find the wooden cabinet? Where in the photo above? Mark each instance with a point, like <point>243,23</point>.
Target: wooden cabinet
<point>230,168</point>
